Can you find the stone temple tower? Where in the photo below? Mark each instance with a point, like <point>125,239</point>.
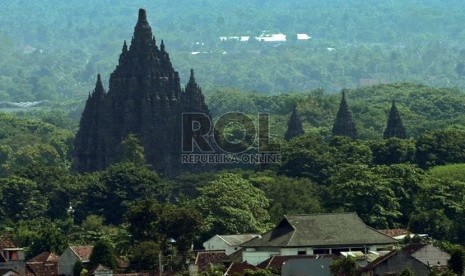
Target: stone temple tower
<point>144,98</point>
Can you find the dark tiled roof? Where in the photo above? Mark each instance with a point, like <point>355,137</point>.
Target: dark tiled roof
<point>409,249</point>
<point>413,247</point>
<point>83,252</point>
<point>237,239</point>
<point>276,262</point>
<point>45,257</point>
<point>205,258</point>
<point>336,229</point>
<point>6,241</point>
<point>239,268</point>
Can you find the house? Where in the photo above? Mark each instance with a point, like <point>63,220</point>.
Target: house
<point>420,258</point>
<point>316,234</point>
<point>101,270</point>
<point>44,264</point>
<point>8,272</point>
<point>228,243</point>
<point>11,257</point>
<point>235,269</point>
<point>206,259</point>
<point>276,263</point>
<point>400,234</point>
<point>70,256</point>
<point>314,267</point>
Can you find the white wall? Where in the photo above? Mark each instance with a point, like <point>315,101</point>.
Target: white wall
<point>256,257</point>
<point>217,243</point>
<point>295,251</point>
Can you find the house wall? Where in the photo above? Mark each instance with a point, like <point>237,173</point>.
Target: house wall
<point>18,266</point>
<point>66,262</point>
<point>399,262</point>
<point>256,257</point>
<point>295,251</point>
<point>14,260</point>
<point>217,243</point>
<point>103,273</point>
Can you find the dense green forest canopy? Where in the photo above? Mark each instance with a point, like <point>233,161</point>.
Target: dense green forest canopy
<point>54,49</point>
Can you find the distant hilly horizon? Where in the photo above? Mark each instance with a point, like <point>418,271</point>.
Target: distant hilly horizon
<point>87,37</point>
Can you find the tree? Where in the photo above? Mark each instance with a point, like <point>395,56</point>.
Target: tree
<point>78,268</point>
<point>357,188</point>
<point>457,261</point>
<point>180,223</point>
<point>303,196</point>
<point>393,151</point>
<point>307,156</point>
<point>131,151</point>
<point>231,205</point>
<point>50,239</point>
<point>113,190</point>
<point>441,147</point>
<point>21,199</point>
<point>103,254</point>
<point>344,124</point>
<point>142,217</point>
<point>344,266</point>
<point>407,272</point>
<point>294,126</point>
<point>144,256</point>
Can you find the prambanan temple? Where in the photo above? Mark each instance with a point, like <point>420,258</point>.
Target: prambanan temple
<point>144,98</point>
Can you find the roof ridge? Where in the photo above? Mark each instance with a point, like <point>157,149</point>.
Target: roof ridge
<point>321,213</point>
<point>223,239</point>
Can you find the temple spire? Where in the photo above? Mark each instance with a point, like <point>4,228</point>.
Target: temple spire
<point>125,47</point>
<point>294,126</point>
<point>99,90</point>
<point>394,127</point>
<point>344,124</point>
<point>142,32</point>
<point>192,78</point>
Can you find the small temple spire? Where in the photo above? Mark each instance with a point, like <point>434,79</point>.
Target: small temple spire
<point>99,90</point>
<point>294,126</point>
<point>142,16</point>
<point>125,47</point>
<point>394,127</point>
<point>344,124</point>
<point>192,78</point>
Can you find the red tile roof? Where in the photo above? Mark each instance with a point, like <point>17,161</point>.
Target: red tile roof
<point>42,268</point>
<point>6,241</point>
<point>394,232</point>
<point>413,247</point>
<point>239,268</point>
<point>83,252</point>
<point>45,257</point>
<point>205,258</point>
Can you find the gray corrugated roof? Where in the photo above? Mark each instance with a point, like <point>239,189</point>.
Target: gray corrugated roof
<point>237,239</point>
<point>320,230</point>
